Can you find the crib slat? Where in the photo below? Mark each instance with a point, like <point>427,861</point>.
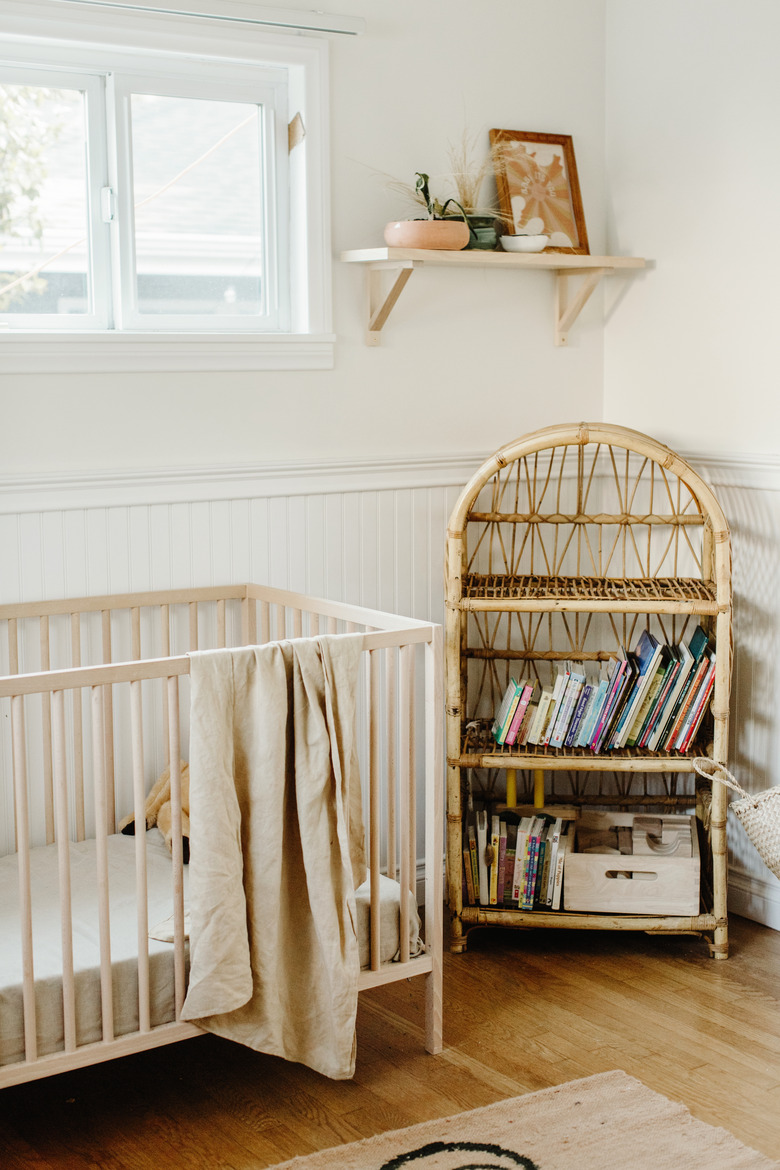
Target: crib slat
<point>100,796</point>
<point>108,726</point>
<point>176,845</point>
<point>391,674</point>
<point>281,621</point>
<point>221,626</point>
<point>13,646</point>
<point>23,858</point>
<point>139,801</point>
<point>48,791</point>
<point>265,623</point>
<point>63,869</point>
<point>404,804</point>
<point>412,749</point>
<point>78,732</point>
<point>193,607</point>
<point>297,617</point>
<point>165,651</point>
<point>135,628</point>
<point>374,799</point>
<point>13,665</point>
<point>249,622</point>
<point>434,838</point>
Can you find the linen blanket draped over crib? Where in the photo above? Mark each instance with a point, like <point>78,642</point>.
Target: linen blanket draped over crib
<point>277,848</point>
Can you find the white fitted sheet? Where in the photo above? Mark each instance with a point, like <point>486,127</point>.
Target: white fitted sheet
<point>47,942</point>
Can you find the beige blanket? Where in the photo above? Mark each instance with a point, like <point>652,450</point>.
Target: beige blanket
<point>276,848</point>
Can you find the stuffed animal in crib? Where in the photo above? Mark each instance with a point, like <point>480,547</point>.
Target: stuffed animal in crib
<point>159,812</point>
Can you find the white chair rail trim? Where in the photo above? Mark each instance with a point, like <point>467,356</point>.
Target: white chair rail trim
<point>98,488</point>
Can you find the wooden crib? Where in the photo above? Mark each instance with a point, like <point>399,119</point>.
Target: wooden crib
<point>94,706</point>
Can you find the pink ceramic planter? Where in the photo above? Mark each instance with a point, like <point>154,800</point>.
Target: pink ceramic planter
<point>447,234</point>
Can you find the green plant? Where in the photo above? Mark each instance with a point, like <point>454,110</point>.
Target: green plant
<point>24,137</point>
<point>435,208</point>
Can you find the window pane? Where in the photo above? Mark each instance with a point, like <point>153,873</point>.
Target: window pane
<point>44,257</point>
<point>198,206</point>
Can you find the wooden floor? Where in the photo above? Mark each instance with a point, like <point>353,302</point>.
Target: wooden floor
<point>523,1010</point>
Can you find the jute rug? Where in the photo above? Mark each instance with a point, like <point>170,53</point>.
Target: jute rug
<point>605,1122</point>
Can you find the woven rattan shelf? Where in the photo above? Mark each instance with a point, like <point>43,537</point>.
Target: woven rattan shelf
<point>589,593</point>
<point>480,750</point>
<point>565,546</point>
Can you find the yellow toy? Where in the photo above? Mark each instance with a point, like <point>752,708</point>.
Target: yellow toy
<point>159,813</point>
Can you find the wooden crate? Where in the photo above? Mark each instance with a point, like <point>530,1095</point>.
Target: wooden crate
<point>611,882</point>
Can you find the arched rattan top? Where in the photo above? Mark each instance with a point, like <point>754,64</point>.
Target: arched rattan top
<point>583,434</point>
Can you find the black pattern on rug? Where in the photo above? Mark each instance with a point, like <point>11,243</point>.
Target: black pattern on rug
<point>423,1156</point>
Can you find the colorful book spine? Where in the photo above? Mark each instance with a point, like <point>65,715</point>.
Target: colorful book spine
<point>482,842</point>
<point>502,839</point>
<point>592,714</point>
<point>526,690</point>
<point>521,857</point>
<point>553,837</point>
<point>529,877</point>
<point>474,862</point>
<point>684,704</point>
<point>563,847</point>
<point>495,834</point>
<point>573,690</point>
<point>579,715</point>
<point>505,711</point>
<point>468,875</point>
<point>699,705</point>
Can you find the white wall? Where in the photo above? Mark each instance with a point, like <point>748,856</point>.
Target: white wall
<point>693,92</point>
<point>693,171</point>
<point>467,360</point>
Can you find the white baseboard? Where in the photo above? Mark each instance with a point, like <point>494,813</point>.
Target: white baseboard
<point>754,897</point>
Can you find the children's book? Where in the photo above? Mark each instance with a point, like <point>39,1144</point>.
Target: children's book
<point>495,830</point>
<point>647,655</point>
<point>482,840</point>
<point>571,697</point>
<point>525,689</point>
<point>505,711</point>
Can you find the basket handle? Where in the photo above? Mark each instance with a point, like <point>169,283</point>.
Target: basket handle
<point>699,764</point>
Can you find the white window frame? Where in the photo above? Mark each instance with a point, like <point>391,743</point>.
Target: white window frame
<point>81,37</point>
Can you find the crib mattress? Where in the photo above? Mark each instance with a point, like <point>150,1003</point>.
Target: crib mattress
<point>47,942</point>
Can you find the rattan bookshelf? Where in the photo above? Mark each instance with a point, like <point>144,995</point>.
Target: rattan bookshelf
<point>565,545</point>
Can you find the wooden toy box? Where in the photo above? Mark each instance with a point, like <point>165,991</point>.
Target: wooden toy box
<point>604,880</point>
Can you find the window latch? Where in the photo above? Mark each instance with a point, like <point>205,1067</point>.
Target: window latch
<point>107,204</point>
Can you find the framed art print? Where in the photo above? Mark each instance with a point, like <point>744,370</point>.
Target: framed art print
<point>538,188</point>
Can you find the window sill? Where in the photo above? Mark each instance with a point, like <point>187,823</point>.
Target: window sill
<point>97,353</point>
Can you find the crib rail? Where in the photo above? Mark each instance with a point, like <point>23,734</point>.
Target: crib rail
<point>87,740</point>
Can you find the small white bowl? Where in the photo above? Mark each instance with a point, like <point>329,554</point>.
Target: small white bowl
<point>524,243</point>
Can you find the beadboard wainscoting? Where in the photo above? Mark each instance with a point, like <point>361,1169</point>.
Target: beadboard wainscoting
<point>371,533</point>
<point>749,493</point>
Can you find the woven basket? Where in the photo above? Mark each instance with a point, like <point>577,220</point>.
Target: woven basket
<point>759,813</point>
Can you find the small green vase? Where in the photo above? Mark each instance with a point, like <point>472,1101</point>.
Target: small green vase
<point>483,233</point>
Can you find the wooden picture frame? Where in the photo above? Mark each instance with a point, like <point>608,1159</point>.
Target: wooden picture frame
<point>538,188</point>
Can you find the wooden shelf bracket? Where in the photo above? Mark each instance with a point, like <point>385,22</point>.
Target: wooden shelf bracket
<point>567,313</point>
<point>400,262</point>
<point>380,303</point>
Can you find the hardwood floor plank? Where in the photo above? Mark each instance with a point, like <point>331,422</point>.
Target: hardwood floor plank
<point>522,1011</point>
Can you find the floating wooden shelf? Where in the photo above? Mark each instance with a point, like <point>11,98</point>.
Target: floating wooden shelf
<point>400,263</point>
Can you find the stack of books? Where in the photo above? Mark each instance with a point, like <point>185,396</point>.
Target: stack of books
<point>653,697</point>
<point>514,865</point>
